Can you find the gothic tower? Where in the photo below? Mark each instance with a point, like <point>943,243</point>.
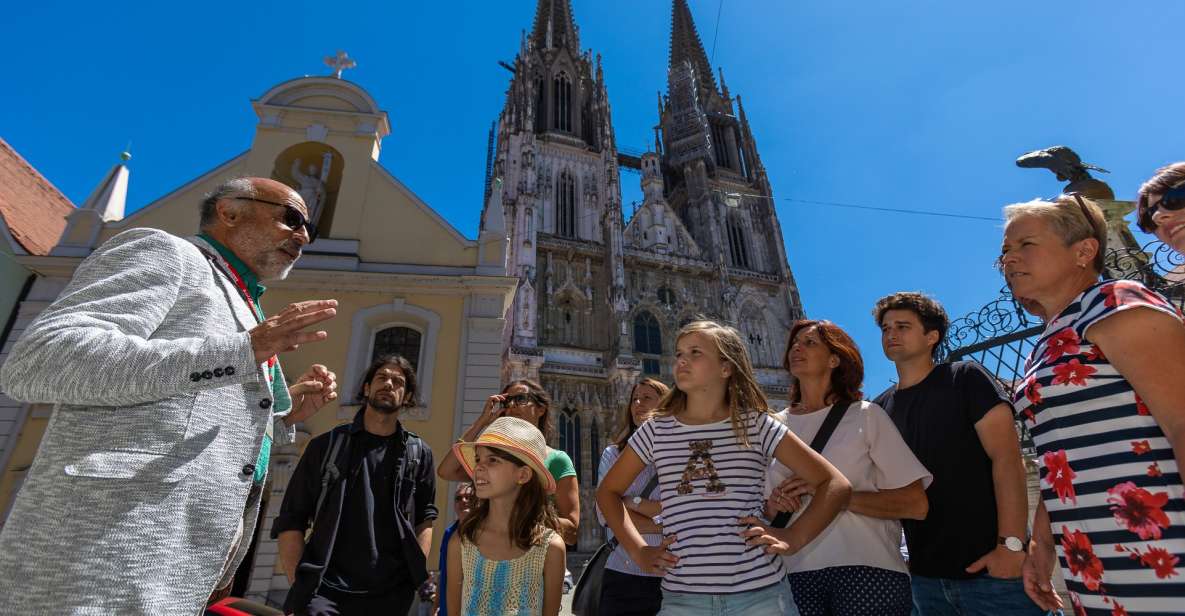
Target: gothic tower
<point>600,299</point>
<point>557,161</point>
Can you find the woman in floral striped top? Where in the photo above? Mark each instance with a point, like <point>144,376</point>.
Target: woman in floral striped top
<point>1104,396</point>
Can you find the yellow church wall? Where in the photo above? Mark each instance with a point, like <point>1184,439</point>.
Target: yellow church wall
<point>401,230</point>
<point>177,212</point>
<point>333,352</point>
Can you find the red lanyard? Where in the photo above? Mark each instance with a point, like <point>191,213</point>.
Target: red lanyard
<point>256,312</point>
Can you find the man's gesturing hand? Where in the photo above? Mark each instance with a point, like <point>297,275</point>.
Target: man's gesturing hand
<point>281,332</point>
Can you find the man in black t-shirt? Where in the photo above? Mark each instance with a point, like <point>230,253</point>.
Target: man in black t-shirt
<point>966,556</point>
<point>372,527</point>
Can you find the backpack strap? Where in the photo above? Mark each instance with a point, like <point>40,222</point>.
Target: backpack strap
<point>331,464</point>
<point>413,450</point>
<point>818,443</point>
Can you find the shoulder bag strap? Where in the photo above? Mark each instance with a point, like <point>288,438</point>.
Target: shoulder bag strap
<point>330,472</point>
<point>818,443</point>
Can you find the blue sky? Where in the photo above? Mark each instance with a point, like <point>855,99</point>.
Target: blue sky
<point>913,104</point>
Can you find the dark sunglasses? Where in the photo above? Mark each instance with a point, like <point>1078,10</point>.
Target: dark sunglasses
<point>517,400</point>
<point>1171,201</point>
<point>293,218</point>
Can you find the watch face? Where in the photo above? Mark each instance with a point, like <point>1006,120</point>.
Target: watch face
<point>1014,544</point>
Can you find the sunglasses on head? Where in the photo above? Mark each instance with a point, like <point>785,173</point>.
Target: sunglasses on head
<point>1172,200</point>
<point>293,218</point>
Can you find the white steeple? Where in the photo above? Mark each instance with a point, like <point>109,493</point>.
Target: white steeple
<point>105,204</point>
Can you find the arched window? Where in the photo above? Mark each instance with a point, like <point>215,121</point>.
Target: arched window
<point>570,437</point>
<point>565,205</point>
<point>540,105</point>
<point>738,248</point>
<point>648,342</point>
<point>561,99</point>
<point>404,341</point>
<point>594,442</point>
<point>720,148</point>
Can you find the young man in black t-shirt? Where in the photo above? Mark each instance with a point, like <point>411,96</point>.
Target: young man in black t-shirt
<point>966,556</point>
<point>372,529</point>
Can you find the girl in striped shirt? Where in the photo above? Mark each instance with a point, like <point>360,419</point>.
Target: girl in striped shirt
<point>710,442</point>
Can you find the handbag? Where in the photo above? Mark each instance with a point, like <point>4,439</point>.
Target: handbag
<point>818,443</point>
<point>586,596</point>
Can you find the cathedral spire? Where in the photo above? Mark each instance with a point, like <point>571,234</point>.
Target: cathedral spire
<point>555,27</point>
<point>686,46</point>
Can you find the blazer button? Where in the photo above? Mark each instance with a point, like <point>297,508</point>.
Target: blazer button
<point>230,371</point>
<point>249,470</point>
<point>195,376</point>
<point>218,372</point>
<point>207,375</point>
<point>265,403</point>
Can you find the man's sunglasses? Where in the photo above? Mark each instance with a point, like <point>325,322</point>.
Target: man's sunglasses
<point>293,218</point>
<point>1171,201</point>
<point>517,400</point>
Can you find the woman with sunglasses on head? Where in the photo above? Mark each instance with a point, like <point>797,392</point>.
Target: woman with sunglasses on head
<point>1160,209</point>
<point>1103,395</point>
<point>626,590</point>
<point>527,400</point>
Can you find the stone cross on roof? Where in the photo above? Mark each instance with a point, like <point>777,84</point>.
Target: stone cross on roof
<point>339,63</point>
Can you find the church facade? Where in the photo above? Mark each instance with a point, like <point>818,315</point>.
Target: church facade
<point>600,297</point>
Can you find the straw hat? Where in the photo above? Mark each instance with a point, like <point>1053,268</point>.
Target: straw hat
<point>516,437</point>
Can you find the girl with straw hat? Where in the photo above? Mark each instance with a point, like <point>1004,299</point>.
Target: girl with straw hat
<point>506,557</point>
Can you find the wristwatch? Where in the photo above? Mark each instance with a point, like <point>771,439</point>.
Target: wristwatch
<point>1014,544</point>
<point>637,501</point>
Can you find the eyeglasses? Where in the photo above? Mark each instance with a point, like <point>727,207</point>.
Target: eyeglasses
<point>1171,201</point>
<point>518,400</point>
<point>293,218</point>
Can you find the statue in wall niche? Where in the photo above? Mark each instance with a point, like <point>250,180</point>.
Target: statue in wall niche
<point>1068,167</point>
<point>312,184</point>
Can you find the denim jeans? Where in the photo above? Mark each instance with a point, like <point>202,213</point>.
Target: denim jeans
<point>773,600</point>
<point>981,596</point>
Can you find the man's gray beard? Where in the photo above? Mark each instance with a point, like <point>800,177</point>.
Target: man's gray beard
<point>270,266</point>
<point>386,408</point>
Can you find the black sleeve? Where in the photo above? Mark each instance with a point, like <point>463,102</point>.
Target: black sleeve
<point>425,488</point>
<point>300,498</point>
<point>981,391</point>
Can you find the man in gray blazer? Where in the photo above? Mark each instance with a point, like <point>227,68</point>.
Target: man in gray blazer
<point>143,496</point>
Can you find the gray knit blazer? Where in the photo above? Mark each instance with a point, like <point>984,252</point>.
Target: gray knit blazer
<point>141,479</point>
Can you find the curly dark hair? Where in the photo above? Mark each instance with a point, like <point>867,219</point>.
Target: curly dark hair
<point>929,311</point>
<point>410,391</point>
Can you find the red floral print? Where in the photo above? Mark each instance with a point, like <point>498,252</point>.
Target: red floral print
<point>1124,292</point>
<point>1095,354</point>
<point>1118,610</point>
<point>1141,447</point>
<point>1076,603</point>
<point>1154,470</point>
<point>1081,559</point>
<point>1139,510</point>
<point>1141,408</point>
<point>1159,559</point>
<point>1060,476</point>
<point>1072,372</point>
<point>1065,342</point>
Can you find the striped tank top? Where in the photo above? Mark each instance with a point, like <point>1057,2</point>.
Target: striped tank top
<point>503,587</point>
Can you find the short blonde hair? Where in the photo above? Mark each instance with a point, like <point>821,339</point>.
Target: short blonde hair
<point>1070,217</point>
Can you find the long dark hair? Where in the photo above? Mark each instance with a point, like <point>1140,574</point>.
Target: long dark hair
<point>627,428</point>
<point>848,376</point>
<point>542,399</point>
<point>532,516</point>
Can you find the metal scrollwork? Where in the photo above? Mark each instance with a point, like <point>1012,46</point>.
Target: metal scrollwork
<point>1000,328</point>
